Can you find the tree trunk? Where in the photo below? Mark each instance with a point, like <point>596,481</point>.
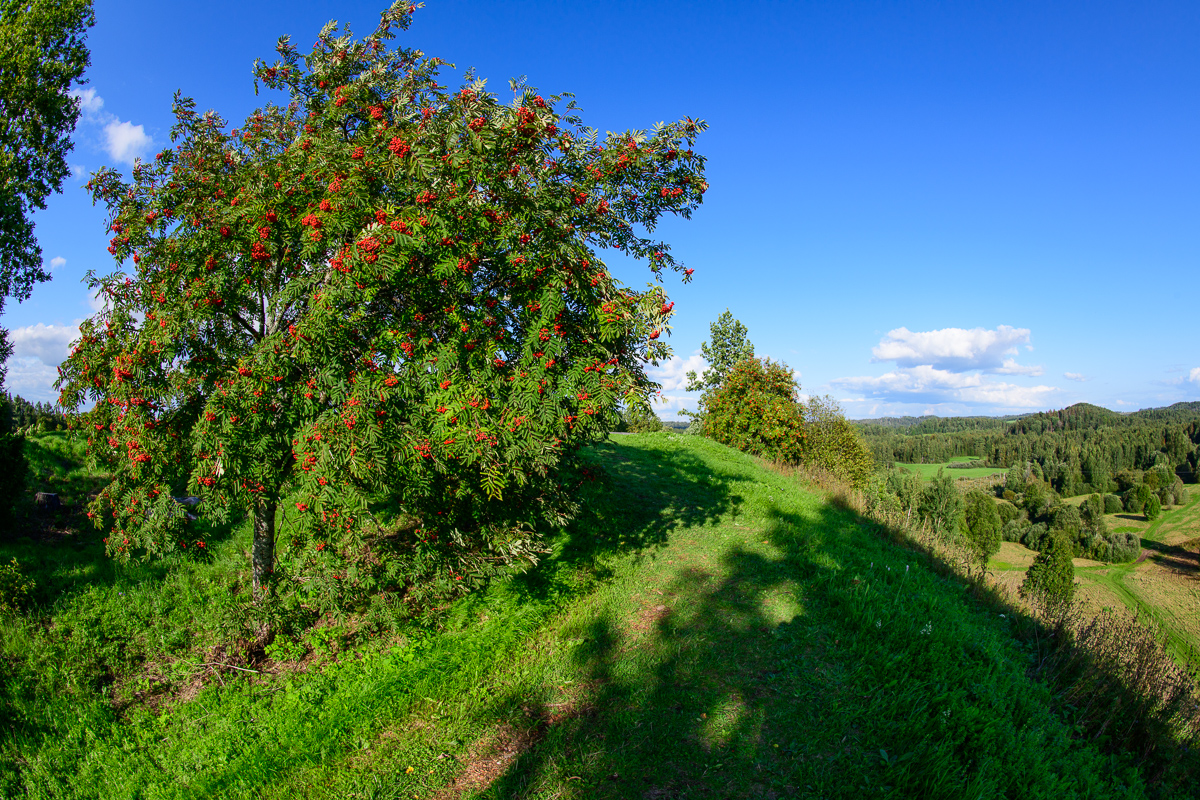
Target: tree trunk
<point>262,551</point>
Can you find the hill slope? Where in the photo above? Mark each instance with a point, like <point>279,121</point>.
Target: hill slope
<point>707,629</point>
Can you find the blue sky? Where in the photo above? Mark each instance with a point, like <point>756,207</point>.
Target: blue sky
<point>920,207</point>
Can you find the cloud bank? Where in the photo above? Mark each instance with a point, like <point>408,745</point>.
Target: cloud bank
<point>951,366</point>
<point>37,352</point>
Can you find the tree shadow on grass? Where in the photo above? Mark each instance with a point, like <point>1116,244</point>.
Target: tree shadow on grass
<point>822,667</point>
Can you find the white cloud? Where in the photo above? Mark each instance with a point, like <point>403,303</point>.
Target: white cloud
<point>89,102</point>
<point>123,141</point>
<point>31,378</point>
<point>1011,367</point>
<point>48,343</point>
<point>956,349</point>
<point>1194,375</point>
<point>672,374</point>
<point>126,141</point>
<point>56,263</point>
<point>1075,376</point>
<point>927,384</point>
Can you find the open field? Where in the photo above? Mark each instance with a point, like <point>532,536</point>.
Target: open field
<point>707,628</point>
<point>928,471</point>
<point>1164,584</point>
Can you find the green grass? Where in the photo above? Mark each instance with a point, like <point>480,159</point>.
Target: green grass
<point>928,471</point>
<point>706,629</point>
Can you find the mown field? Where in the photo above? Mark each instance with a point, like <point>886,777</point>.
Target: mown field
<point>928,471</point>
<point>707,628</point>
<point>1163,585</point>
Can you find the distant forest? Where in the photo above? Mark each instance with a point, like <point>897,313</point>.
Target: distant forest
<point>1079,449</point>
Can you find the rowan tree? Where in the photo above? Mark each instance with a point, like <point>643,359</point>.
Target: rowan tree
<point>377,288</point>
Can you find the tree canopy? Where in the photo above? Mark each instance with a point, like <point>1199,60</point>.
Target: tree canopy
<point>727,346</point>
<point>42,55</point>
<point>376,289</point>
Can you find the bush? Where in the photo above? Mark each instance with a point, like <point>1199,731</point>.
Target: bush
<point>15,588</point>
<point>639,418</point>
<point>982,527</point>
<point>1183,498</point>
<point>1133,499</point>
<point>1125,547</point>
<point>1034,536</point>
<point>1014,530</point>
<point>1008,512</point>
<point>1113,504</point>
<point>1166,498</point>
<point>833,444</point>
<point>756,410</point>
<point>1153,509</point>
<point>1050,581</point>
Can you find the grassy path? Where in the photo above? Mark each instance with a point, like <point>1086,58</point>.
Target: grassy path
<point>706,630</point>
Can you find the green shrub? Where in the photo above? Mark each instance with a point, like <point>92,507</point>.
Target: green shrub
<point>1050,581</point>
<point>1014,530</point>
<point>833,444</point>
<point>640,418</point>
<point>1153,508</point>
<point>982,527</point>
<point>1035,536</point>
<point>1183,498</point>
<point>756,410</point>
<point>1166,498</point>
<point>15,588</point>
<point>1008,512</point>
<point>1113,504</point>
<point>1125,547</point>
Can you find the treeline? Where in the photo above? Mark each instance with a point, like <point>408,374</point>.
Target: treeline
<point>27,416</point>
<point>1078,450</point>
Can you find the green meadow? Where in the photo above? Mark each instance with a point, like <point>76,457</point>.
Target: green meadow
<point>707,628</point>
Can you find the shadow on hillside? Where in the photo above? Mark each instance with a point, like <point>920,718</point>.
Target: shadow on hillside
<point>714,690</point>
<point>1182,559</point>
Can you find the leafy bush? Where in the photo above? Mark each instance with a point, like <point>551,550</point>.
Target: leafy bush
<point>15,588</point>
<point>1008,512</point>
<point>756,410</point>
<point>1014,530</point>
<point>1035,536</point>
<point>1166,498</point>
<point>1125,547</point>
<point>1153,508</point>
<point>941,505</point>
<point>1113,504</point>
<point>639,418</point>
<point>1050,581</point>
<point>1183,497</point>
<point>833,444</point>
<point>982,528</point>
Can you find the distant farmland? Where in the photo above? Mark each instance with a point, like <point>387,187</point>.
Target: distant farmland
<point>928,471</point>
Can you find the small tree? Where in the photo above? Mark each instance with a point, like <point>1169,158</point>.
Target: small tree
<point>727,346</point>
<point>1050,581</point>
<point>755,409</point>
<point>982,527</point>
<point>640,418</point>
<point>380,289</point>
<point>833,444</point>
<point>1152,508</point>
<point>941,505</point>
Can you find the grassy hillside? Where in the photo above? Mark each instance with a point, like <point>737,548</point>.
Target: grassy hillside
<point>706,629</point>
